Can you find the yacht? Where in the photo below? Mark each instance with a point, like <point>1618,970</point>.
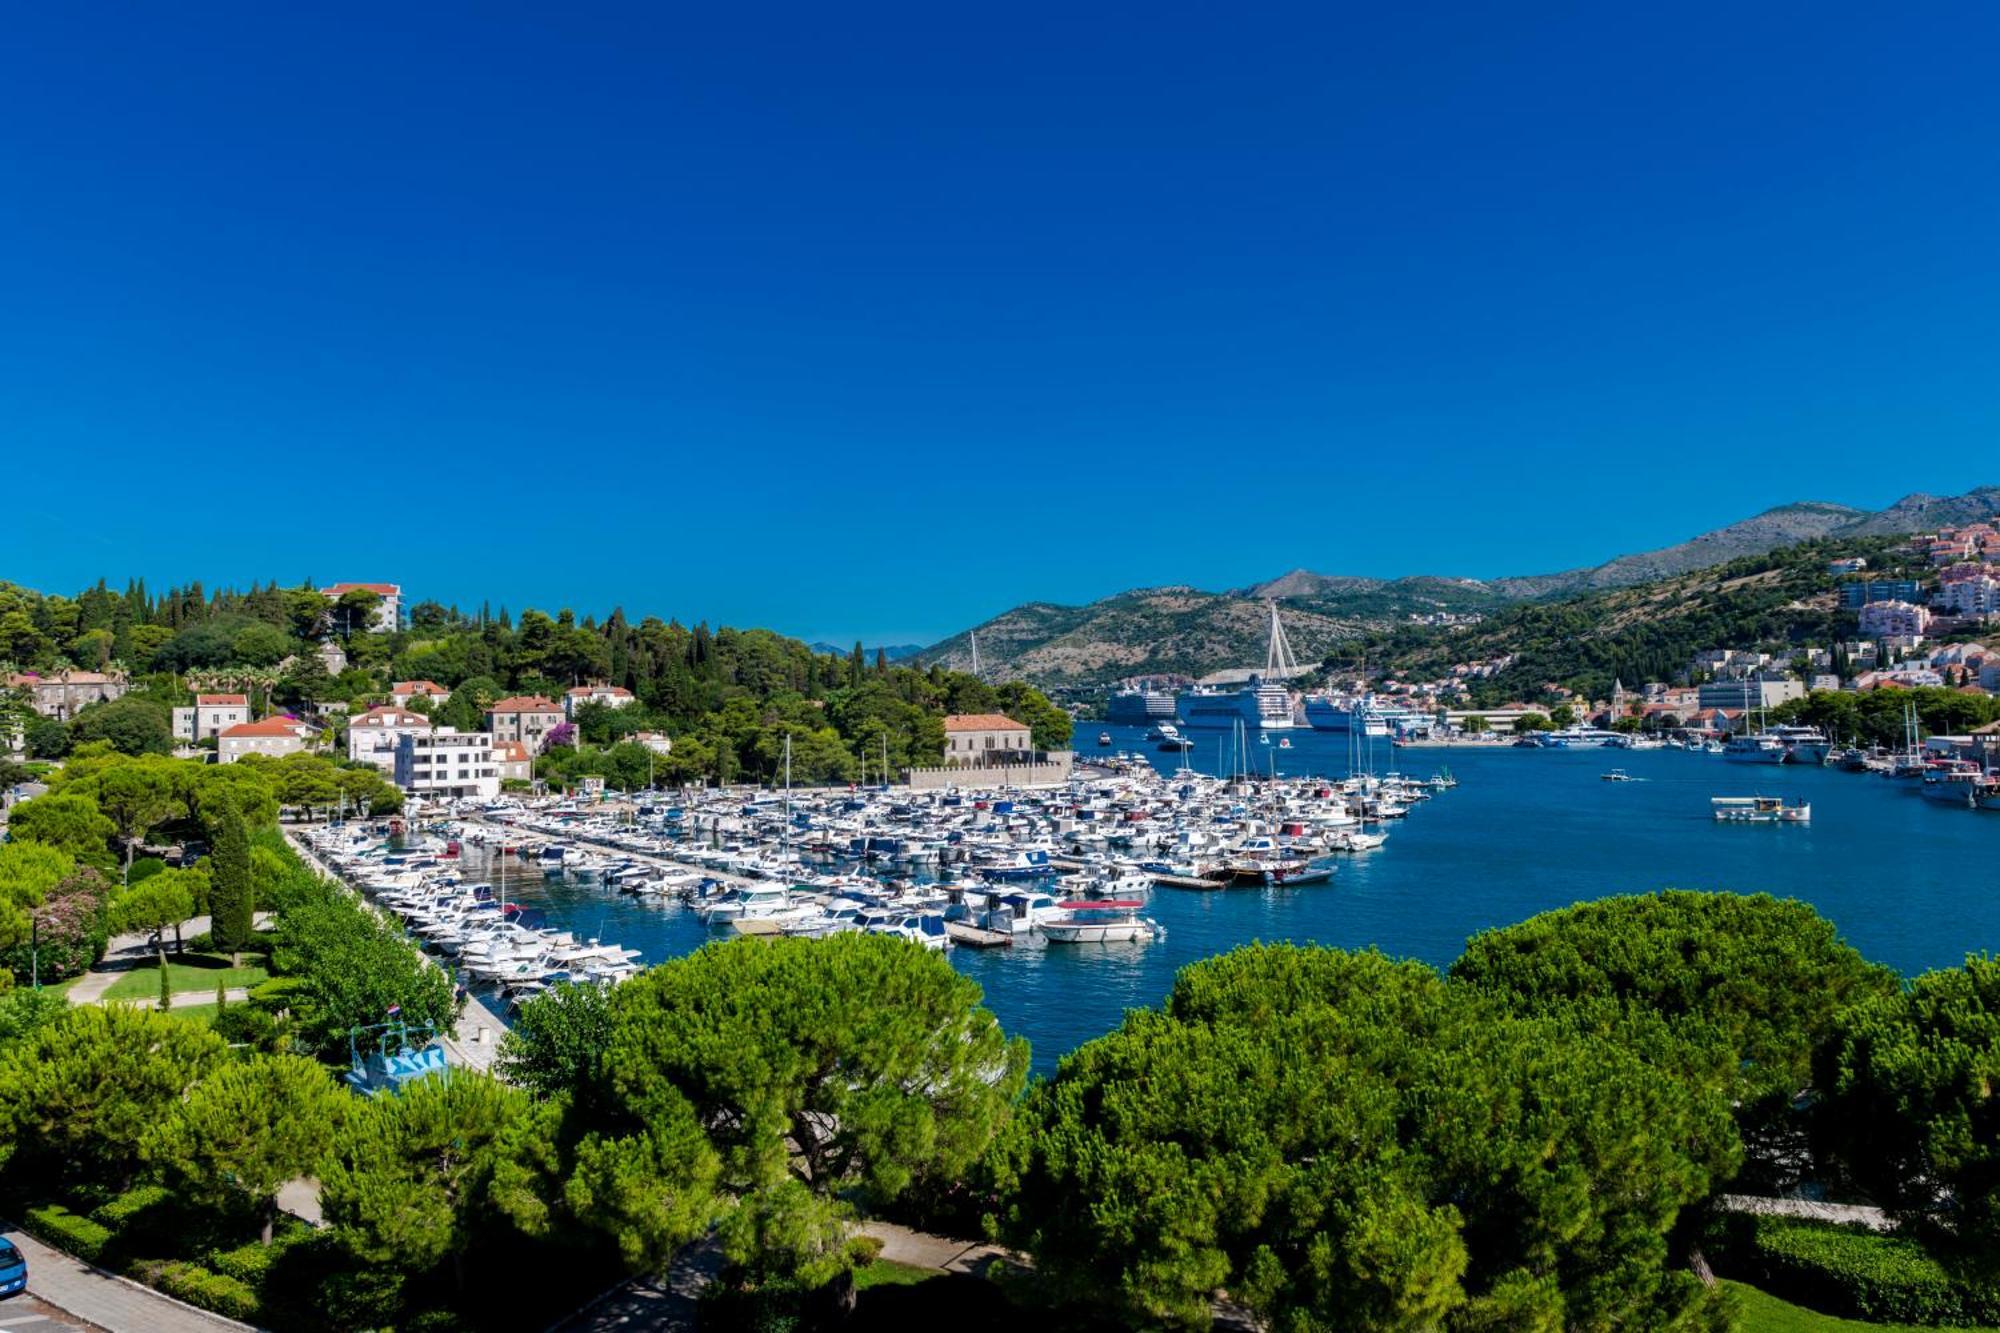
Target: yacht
<point>1102,921</point>
<point>1578,737</point>
<point>1803,745</point>
<point>1761,748</point>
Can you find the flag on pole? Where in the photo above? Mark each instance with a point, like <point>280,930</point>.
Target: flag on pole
<point>395,1009</point>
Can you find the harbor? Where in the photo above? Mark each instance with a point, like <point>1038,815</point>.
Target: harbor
<point>1519,831</point>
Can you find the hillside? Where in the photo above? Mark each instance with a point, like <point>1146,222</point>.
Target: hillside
<point>1147,631</point>
<point>1779,599</point>
<point>1190,631</point>
<point>1786,525</point>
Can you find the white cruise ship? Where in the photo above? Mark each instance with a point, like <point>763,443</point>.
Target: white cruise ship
<point>1264,702</point>
<point>1258,704</point>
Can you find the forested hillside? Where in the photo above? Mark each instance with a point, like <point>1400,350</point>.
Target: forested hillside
<point>727,697</point>
<point>1783,599</point>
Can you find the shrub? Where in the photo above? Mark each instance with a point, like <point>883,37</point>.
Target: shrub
<point>245,1025</point>
<point>1848,1270</point>
<point>197,1286</point>
<point>276,993</point>
<point>246,1263</point>
<point>63,1229</point>
<point>120,1211</point>
<point>147,1219</point>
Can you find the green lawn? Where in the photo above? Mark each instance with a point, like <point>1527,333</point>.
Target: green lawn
<point>188,972</point>
<point>888,1273</point>
<point>1767,1314</point>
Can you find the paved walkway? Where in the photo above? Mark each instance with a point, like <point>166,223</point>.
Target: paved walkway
<point>129,953</point>
<point>1850,1213</point>
<point>26,1313</point>
<point>103,1299</point>
<point>920,1249</point>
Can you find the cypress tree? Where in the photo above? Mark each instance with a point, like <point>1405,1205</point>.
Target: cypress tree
<point>229,895</point>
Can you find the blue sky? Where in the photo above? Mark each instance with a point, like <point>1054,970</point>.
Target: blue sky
<point>874,321</point>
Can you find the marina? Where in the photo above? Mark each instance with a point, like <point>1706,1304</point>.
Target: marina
<point>1515,832</point>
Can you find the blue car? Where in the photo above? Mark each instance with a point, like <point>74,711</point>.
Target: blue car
<point>13,1269</point>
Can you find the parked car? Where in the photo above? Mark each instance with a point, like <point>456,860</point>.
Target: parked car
<point>13,1269</point>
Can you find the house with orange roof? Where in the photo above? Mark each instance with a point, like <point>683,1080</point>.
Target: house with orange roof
<point>527,718</point>
<point>62,694</point>
<point>211,715</point>
<point>372,737</point>
<point>513,761</point>
<point>388,612</point>
<point>982,739</point>
<point>403,691</point>
<point>610,696</point>
<point>274,737</point>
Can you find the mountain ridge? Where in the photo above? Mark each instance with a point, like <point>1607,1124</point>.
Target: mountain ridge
<point>1179,629</point>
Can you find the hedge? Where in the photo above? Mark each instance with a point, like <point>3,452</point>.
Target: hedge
<point>197,1286</point>
<point>122,1209</point>
<point>246,1263</point>
<point>66,1231</point>
<point>1850,1270</point>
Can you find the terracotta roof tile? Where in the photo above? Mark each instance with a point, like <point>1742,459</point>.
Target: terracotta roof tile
<point>525,703</point>
<point>270,726</point>
<point>982,722</point>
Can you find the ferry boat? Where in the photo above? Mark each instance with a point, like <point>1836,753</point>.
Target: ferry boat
<point>1168,737</point>
<point>1759,810</point>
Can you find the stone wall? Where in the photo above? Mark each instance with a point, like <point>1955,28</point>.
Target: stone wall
<point>1053,771</point>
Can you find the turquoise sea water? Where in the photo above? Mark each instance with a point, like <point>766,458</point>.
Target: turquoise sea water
<point>1909,883</point>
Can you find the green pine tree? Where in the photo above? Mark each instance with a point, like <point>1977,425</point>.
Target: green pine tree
<point>230,898</point>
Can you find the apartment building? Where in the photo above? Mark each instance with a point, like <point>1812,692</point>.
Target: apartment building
<point>447,764</point>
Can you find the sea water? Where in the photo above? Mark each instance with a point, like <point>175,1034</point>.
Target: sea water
<point>1908,882</point>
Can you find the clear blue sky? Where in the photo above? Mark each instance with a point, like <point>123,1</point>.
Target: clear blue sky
<point>761,314</point>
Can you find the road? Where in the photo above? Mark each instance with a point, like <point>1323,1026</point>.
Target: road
<point>83,1297</point>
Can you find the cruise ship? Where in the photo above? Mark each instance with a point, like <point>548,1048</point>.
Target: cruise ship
<point>1260,703</point>
<point>1264,702</point>
<point>1139,708</point>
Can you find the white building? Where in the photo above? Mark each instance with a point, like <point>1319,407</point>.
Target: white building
<point>447,763</point>
<point>1887,620</point>
<point>388,615</point>
<point>403,691</point>
<point>372,737</point>
<point>274,737</point>
<point>1975,596</point>
<point>611,696</point>
<point>211,715</point>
